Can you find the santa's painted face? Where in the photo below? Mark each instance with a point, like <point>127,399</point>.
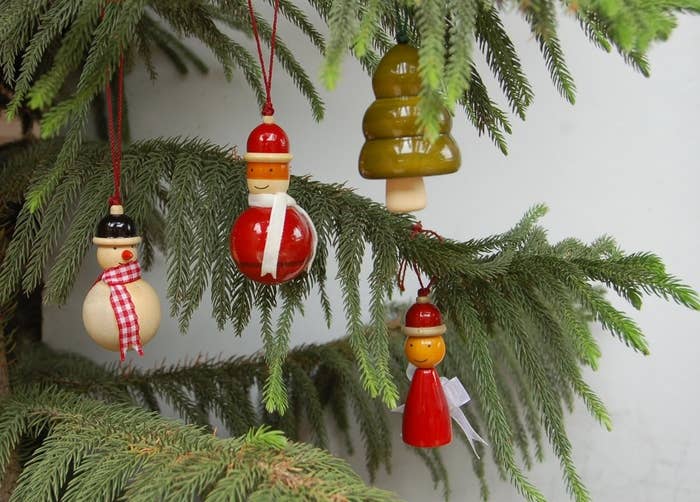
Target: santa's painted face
<point>424,351</point>
<point>267,177</point>
<point>113,256</point>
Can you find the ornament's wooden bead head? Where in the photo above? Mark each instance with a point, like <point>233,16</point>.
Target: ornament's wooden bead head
<point>424,346</point>
<point>395,148</point>
<point>267,156</point>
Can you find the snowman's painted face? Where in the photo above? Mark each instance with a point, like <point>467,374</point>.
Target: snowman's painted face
<point>113,256</point>
<point>425,351</point>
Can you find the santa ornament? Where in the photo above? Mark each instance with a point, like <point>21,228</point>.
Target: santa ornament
<point>121,311</point>
<point>432,402</point>
<point>274,240</point>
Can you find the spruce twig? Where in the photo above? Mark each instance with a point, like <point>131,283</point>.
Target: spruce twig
<point>95,450</point>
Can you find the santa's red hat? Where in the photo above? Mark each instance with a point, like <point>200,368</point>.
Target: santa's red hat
<point>268,143</point>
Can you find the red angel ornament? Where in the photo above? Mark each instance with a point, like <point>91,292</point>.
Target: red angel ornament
<point>432,401</point>
<point>274,240</point>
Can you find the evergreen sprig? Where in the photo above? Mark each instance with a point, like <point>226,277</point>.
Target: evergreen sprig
<point>43,44</point>
<point>444,31</point>
<point>518,305</point>
<point>196,189</point>
<point>91,450</point>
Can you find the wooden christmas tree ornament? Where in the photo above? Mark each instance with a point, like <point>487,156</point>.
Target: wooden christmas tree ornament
<point>395,148</point>
<point>121,310</point>
<point>274,240</point>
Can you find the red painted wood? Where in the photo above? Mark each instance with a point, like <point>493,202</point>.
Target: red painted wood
<point>426,415</point>
<point>247,243</point>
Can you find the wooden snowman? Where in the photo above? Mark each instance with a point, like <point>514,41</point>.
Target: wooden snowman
<point>121,310</point>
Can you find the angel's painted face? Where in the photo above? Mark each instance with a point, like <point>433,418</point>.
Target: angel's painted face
<point>425,351</point>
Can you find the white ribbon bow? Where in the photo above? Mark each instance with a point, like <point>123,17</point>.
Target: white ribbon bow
<point>456,396</point>
<point>279,203</point>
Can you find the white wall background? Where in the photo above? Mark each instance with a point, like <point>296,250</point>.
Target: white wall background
<point>622,161</point>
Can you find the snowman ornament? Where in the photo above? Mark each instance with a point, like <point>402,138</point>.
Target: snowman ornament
<point>121,310</point>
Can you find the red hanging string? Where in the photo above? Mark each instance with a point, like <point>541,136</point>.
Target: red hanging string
<point>416,229</point>
<point>115,134</point>
<point>268,109</point>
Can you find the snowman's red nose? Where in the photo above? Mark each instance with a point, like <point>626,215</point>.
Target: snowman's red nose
<point>127,255</point>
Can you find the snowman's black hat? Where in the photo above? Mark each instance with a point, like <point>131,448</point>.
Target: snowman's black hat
<point>116,229</point>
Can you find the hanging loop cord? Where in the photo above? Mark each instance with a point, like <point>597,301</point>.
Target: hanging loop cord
<point>416,229</point>
<point>115,133</point>
<point>268,109</point>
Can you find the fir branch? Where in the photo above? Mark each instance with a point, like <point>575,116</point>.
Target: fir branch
<point>343,25</point>
<point>176,51</point>
<point>534,297</point>
<point>348,218</point>
<point>485,113</point>
<point>57,17</point>
<point>17,21</point>
<point>542,18</point>
<point>431,24</point>
<point>461,34</point>
<point>117,450</point>
<point>239,20</point>
<point>501,57</point>
<point>509,316</point>
<point>198,21</point>
<point>68,57</point>
<point>369,25</point>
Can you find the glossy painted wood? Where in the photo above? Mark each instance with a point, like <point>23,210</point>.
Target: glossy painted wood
<point>395,146</point>
<point>426,417</point>
<point>99,320</point>
<point>408,156</point>
<point>247,243</point>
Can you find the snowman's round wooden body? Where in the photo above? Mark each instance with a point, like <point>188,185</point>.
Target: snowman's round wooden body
<point>99,319</point>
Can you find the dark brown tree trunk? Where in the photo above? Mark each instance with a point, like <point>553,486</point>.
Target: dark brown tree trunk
<point>9,477</point>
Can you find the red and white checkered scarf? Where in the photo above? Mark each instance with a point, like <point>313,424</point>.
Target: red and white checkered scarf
<point>124,310</point>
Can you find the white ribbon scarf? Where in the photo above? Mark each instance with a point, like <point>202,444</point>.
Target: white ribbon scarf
<point>279,203</point>
<point>456,396</point>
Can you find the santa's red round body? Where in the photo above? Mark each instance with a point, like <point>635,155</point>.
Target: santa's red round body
<point>426,415</point>
<point>247,242</point>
